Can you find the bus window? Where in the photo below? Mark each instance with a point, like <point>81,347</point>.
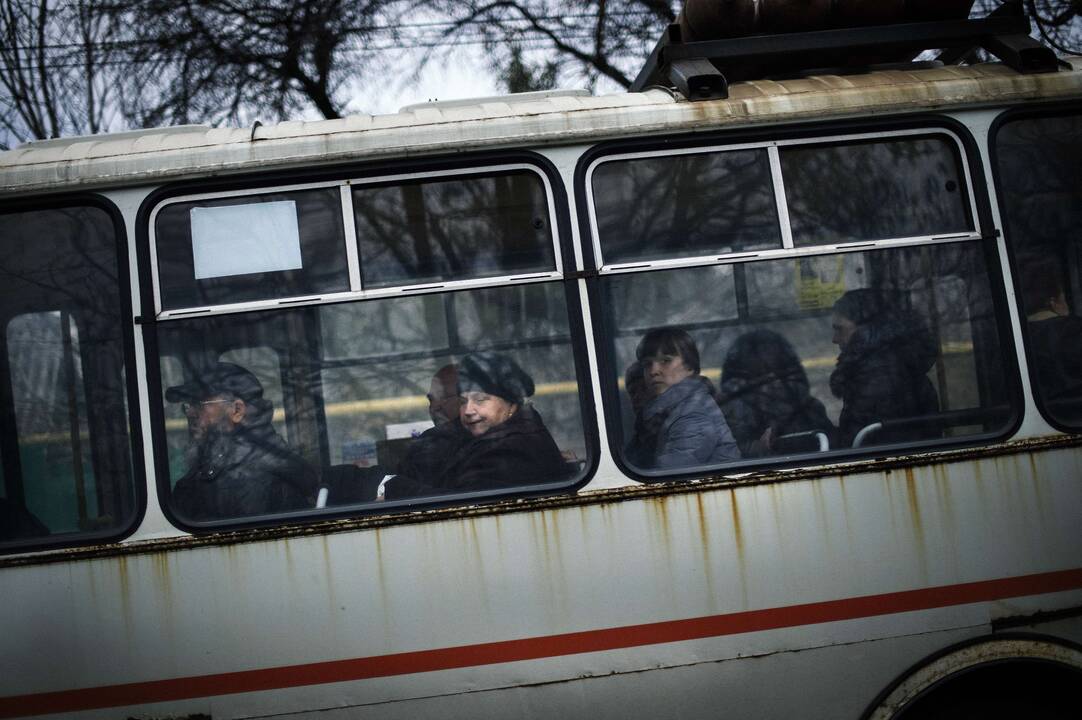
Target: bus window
<point>875,190</point>
<point>1039,163</point>
<point>907,366</point>
<point>65,445</point>
<point>368,408</point>
<point>365,410</point>
<point>684,205</point>
<point>250,247</point>
<point>785,353</point>
<point>454,229</point>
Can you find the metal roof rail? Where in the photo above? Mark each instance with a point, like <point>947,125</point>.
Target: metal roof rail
<point>703,69</point>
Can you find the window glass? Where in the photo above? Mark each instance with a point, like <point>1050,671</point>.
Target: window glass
<point>685,206</point>
<point>453,229</point>
<point>349,414</point>
<point>1039,162</point>
<point>255,247</point>
<point>797,356</point>
<point>875,190</point>
<point>64,442</point>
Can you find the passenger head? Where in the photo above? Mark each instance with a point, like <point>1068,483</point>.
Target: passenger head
<point>1042,286</point>
<point>761,353</point>
<point>220,399</point>
<point>854,309</point>
<point>491,388</point>
<point>667,356</point>
<point>443,395</point>
<point>635,385</point>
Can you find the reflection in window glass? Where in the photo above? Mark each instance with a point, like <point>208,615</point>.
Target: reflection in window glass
<point>230,250</point>
<point>874,190</point>
<point>685,205</point>
<point>454,229</point>
<point>64,445</point>
<point>50,415</point>
<point>855,350</point>
<point>351,413</point>
<point>1040,174</point>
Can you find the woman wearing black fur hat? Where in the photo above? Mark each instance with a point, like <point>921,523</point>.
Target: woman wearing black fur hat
<point>498,440</point>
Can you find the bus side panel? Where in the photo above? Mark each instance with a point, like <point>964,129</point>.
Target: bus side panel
<point>550,596</point>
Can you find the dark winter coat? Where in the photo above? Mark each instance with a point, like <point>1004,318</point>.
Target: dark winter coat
<point>250,471</point>
<point>881,374</point>
<point>753,404</point>
<point>448,459</point>
<point>1056,351</point>
<point>682,428</point>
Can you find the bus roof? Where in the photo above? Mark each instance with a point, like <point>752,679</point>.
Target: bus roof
<point>158,155</point>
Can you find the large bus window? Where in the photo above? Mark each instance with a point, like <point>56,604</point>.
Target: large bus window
<point>454,229</point>
<point>684,205</point>
<point>64,444</point>
<point>250,247</point>
<point>1039,164</point>
<point>806,346</point>
<point>354,414</point>
<point>875,190</point>
<point>859,350</point>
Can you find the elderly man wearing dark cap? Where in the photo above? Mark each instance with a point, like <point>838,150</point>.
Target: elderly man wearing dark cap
<point>238,465</point>
<point>497,441</point>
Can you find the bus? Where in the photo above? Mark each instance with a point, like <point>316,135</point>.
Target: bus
<point>895,252</point>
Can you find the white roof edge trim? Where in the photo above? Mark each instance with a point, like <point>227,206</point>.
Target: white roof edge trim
<point>512,99</point>
<point>563,120</point>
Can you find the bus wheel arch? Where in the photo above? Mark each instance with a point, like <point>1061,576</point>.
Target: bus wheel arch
<point>988,676</point>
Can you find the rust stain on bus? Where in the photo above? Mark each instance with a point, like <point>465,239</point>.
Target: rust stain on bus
<point>914,502</point>
<point>738,531</point>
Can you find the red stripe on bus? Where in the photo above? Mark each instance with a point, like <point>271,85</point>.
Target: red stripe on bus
<point>535,648</point>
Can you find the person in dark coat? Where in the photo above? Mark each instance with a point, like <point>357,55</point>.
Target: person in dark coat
<point>498,441</point>
<point>682,425</point>
<point>881,373</point>
<point>238,465</point>
<point>765,393</point>
<point>1055,338</point>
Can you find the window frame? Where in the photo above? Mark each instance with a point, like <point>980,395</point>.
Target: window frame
<point>356,290</point>
<point>566,274</point>
<point>925,125</point>
<point>1053,109</point>
<point>773,148</point>
<point>130,383</point>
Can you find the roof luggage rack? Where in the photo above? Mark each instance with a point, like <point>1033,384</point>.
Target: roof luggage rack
<point>703,69</point>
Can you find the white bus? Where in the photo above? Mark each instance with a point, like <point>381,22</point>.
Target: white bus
<point>860,554</point>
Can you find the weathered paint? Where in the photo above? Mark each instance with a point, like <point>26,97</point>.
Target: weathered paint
<point>458,581</point>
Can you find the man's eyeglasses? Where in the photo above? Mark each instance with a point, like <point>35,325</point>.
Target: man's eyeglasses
<point>192,407</point>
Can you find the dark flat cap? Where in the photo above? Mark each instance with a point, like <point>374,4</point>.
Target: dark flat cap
<point>218,379</point>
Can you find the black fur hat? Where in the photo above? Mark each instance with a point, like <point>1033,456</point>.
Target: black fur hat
<point>495,374</point>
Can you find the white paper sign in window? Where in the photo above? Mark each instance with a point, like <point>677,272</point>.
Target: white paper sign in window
<point>244,239</point>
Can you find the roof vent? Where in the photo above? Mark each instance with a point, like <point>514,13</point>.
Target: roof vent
<point>513,99</point>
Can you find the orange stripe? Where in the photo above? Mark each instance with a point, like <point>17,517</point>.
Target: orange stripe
<point>535,648</point>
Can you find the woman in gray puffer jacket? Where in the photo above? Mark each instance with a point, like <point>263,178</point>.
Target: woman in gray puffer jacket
<point>882,369</point>
<point>682,426</point>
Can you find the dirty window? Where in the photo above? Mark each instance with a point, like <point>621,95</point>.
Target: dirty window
<point>65,445</point>
<point>875,190</point>
<point>684,206</point>
<point>838,353</point>
<point>455,229</point>
<point>277,413</point>
<point>248,248</point>
<point>1039,166</point>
